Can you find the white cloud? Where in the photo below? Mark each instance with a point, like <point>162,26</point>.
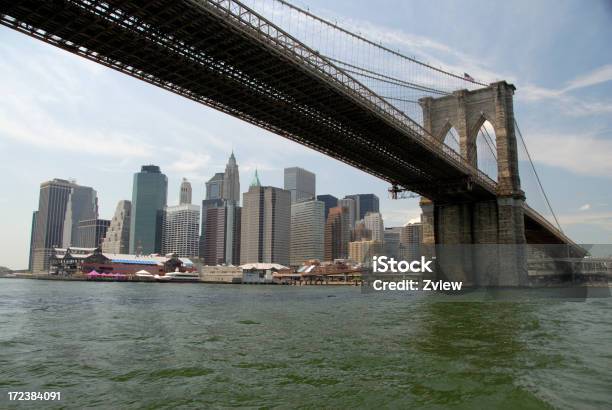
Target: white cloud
<point>597,76</point>
<point>601,219</point>
<point>581,154</point>
<point>585,207</point>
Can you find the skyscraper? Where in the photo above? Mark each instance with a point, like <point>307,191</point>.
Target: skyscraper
<point>117,239</point>
<point>352,210</point>
<point>221,238</point>
<point>181,230</point>
<point>149,196</point>
<point>82,206</point>
<point>374,222</point>
<point>32,236</point>
<point>221,215</point>
<point>301,183</point>
<point>329,200</point>
<point>411,236</point>
<point>185,195</point>
<point>307,231</point>
<point>266,218</point>
<point>364,203</point>
<point>49,224</point>
<point>392,242</point>
<point>337,234</point>
<point>91,233</point>
<point>214,186</point>
<point>231,181</point>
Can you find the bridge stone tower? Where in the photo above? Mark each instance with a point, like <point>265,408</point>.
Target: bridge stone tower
<point>481,242</point>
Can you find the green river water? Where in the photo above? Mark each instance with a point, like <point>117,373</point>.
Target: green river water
<point>149,345</point>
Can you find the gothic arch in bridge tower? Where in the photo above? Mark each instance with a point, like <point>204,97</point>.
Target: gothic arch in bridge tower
<point>456,226</point>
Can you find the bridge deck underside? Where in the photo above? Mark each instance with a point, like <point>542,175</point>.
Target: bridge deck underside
<point>192,49</point>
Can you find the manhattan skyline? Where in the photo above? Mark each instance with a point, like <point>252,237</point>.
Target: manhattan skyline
<point>64,117</point>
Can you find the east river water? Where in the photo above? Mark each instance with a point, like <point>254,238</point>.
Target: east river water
<point>135,345</point>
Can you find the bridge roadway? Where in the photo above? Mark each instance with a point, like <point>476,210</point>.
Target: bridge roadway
<point>226,56</point>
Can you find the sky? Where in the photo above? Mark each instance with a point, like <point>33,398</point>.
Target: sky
<point>65,117</point>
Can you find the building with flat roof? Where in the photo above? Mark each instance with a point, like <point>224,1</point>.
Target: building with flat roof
<point>91,233</point>
<point>48,225</point>
<point>149,198</point>
<point>307,231</point>
<point>365,203</point>
<point>301,183</point>
<point>266,221</point>
<point>337,234</point>
<point>329,200</point>
<point>181,230</point>
<point>363,251</point>
<point>375,224</point>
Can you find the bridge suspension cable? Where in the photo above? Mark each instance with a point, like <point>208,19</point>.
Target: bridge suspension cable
<point>537,176</point>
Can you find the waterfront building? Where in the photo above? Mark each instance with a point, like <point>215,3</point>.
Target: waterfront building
<point>48,226</point>
<point>181,229</point>
<point>363,251</point>
<point>117,238</point>
<point>329,200</point>
<point>266,218</point>
<point>231,181</point>
<point>364,203</point>
<point>374,223</point>
<point>337,234</point>
<point>67,261</point>
<point>91,233</point>
<point>301,183</point>
<point>82,206</point>
<point>149,198</point>
<point>185,193</point>
<point>214,186</point>
<point>307,231</point>
<point>352,209</point>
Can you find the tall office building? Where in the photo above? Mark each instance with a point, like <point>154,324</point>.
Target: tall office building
<point>266,219</point>
<point>352,208</point>
<point>181,230</point>
<point>117,238</point>
<point>185,194</point>
<point>301,183</point>
<point>231,181</point>
<point>49,223</point>
<point>374,222</point>
<point>337,234</point>
<point>329,200</point>
<point>392,242</point>
<point>364,203</point>
<point>91,233</point>
<point>411,236</point>
<point>221,237</point>
<point>214,186</point>
<point>307,231</point>
<point>32,235</point>
<point>149,196</point>
<point>82,206</point>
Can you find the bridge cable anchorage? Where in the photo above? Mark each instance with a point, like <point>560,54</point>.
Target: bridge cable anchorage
<point>518,130</point>
<point>397,53</point>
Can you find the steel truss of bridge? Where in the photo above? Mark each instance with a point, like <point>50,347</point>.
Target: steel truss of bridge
<point>226,56</point>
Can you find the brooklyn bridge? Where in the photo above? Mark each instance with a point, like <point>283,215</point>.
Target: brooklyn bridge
<point>416,126</point>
